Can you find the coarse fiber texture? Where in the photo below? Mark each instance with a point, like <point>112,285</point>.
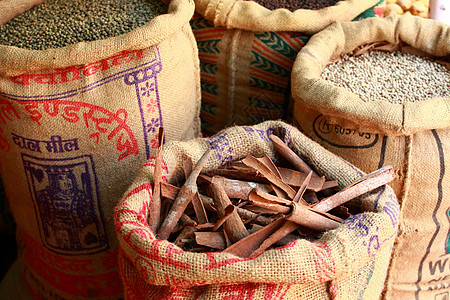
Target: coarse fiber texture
<point>413,137</point>
<point>77,123</point>
<point>349,262</point>
<point>11,8</point>
<point>247,51</point>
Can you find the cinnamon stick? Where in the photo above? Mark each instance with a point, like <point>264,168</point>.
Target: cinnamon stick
<point>186,234</point>
<point>255,217</point>
<point>197,204</point>
<point>170,192</point>
<point>270,202</point>
<point>310,197</point>
<point>233,226</point>
<point>329,184</point>
<point>184,197</point>
<point>290,155</point>
<point>287,228</point>
<point>187,167</point>
<point>210,239</point>
<point>296,213</point>
<point>296,178</point>
<point>199,209</point>
<point>185,220</point>
<point>260,210</point>
<point>154,218</point>
<point>301,215</point>
<point>205,226</point>
<point>298,196</point>
<point>279,192</point>
<point>266,160</point>
<point>367,183</point>
<point>251,161</point>
<point>238,188</point>
<point>228,212</point>
<point>246,246</point>
<point>248,175</point>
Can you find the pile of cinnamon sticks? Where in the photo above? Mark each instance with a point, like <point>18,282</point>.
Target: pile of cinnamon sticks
<point>251,205</point>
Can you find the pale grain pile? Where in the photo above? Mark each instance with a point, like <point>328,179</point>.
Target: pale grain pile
<point>391,76</point>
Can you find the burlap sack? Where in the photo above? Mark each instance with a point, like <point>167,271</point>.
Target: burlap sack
<point>11,8</point>
<point>247,51</point>
<point>76,125</point>
<point>413,137</point>
<point>347,263</point>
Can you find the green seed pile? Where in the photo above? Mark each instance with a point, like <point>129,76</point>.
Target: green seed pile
<point>58,23</point>
<point>293,5</point>
<point>391,76</point>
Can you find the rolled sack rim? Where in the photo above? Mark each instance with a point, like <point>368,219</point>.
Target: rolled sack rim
<point>251,16</point>
<point>364,236</point>
<point>382,116</point>
<point>16,61</point>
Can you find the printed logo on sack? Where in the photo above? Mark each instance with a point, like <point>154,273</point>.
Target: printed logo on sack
<point>66,203</point>
<point>341,137</point>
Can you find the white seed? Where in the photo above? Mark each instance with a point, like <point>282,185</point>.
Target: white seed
<point>390,76</point>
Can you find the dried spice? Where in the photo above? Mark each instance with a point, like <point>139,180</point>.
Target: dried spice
<point>244,217</point>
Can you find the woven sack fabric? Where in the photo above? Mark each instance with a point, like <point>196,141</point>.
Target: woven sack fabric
<point>77,123</point>
<point>412,137</point>
<point>349,262</point>
<point>247,51</point>
<point>11,8</point>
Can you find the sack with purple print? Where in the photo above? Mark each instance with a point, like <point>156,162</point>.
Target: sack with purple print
<point>349,262</point>
<point>76,124</point>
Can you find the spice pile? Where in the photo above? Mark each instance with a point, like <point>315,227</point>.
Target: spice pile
<point>391,76</point>
<point>251,205</point>
<point>59,23</point>
<point>293,5</point>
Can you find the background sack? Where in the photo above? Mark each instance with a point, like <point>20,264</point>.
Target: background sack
<point>347,263</point>
<point>76,125</point>
<point>246,54</point>
<point>413,137</point>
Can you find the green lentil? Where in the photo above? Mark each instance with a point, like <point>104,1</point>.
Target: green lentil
<point>59,23</point>
<point>390,76</point>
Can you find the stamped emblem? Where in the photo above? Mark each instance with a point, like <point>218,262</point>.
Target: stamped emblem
<point>66,203</point>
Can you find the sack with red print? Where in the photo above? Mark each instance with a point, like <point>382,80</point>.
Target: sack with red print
<point>349,262</point>
<point>76,124</point>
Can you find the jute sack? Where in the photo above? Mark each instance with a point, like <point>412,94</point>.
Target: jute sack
<point>413,137</point>
<point>247,51</point>
<point>76,125</point>
<point>347,263</point>
<point>12,8</point>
